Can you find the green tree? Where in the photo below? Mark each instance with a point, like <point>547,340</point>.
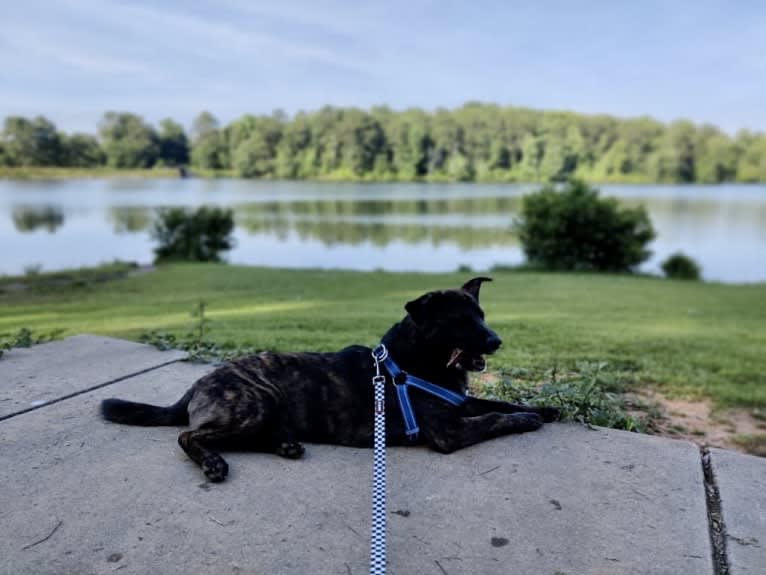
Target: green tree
<point>83,151</point>
<point>751,151</point>
<point>460,168</point>
<point>292,160</point>
<point>361,139</point>
<point>128,141</point>
<point>174,145</point>
<point>674,160</point>
<point>253,144</point>
<point>33,142</point>
<point>208,145</point>
<point>254,157</point>
<point>409,143</point>
<point>716,156</point>
<point>476,141</point>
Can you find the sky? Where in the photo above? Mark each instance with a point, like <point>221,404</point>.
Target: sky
<point>71,60</point>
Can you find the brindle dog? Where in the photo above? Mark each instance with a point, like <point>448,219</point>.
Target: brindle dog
<point>272,401</point>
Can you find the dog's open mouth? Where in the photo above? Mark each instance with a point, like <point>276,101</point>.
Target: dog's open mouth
<point>467,361</point>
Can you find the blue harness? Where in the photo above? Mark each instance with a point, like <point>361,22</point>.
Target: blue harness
<point>403,381</point>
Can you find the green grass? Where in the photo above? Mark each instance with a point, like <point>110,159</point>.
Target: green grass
<point>684,337</point>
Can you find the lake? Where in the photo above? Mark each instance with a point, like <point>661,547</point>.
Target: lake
<point>392,226</point>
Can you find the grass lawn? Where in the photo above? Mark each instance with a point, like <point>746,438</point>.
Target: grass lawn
<point>685,338</point>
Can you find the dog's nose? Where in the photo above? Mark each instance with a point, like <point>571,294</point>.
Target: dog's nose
<point>493,342</point>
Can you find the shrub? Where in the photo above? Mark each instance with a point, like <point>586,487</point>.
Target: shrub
<point>680,267</point>
<point>24,337</point>
<point>193,235</point>
<point>575,229</point>
<point>591,394</point>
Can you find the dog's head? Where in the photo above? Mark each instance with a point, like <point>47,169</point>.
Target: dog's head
<point>452,321</point>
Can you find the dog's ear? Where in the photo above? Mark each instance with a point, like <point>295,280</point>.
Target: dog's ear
<point>418,308</point>
<point>473,286</point>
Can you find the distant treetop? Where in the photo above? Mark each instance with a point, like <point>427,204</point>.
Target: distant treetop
<point>476,142</point>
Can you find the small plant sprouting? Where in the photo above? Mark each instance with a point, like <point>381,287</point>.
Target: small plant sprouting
<point>202,322</point>
<point>196,343</point>
<point>25,337</point>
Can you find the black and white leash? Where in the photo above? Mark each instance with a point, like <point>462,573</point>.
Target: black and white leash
<point>378,528</point>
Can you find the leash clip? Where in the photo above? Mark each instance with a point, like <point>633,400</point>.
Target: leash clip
<point>379,353</point>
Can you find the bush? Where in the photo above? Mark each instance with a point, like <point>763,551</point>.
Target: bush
<point>193,236</point>
<point>575,229</point>
<point>680,267</point>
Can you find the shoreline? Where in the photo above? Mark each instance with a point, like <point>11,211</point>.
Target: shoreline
<point>65,173</point>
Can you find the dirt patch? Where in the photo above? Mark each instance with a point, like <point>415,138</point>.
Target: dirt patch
<point>696,420</point>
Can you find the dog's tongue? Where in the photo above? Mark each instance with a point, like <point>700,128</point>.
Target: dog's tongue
<point>454,357</point>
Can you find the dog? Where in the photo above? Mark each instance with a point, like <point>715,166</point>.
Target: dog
<point>271,402</point>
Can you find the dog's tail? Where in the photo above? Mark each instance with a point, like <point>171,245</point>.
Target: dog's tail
<point>132,413</point>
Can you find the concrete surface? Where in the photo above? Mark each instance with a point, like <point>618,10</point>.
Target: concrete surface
<point>82,496</point>
<point>741,483</point>
<point>34,376</point>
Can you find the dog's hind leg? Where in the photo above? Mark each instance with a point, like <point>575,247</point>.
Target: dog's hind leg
<point>262,427</point>
<point>196,445</point>
<point>283,441</point>
<point>465,431</point>
<point>221,420</point>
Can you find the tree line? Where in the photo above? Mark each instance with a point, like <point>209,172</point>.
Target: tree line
<point>476,142</point>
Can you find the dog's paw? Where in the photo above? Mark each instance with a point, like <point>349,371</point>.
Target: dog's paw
<point>290,450</point>
<point>549,414</point>
<point>526,421</point>
<point>215,468</point>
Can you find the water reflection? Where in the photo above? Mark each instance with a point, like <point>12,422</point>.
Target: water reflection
<point>396,226</point>
<point>27,219</point>
<point>355,223</point>
<point>130,219</point>
<point>365,207</point>
<point>331,233</point>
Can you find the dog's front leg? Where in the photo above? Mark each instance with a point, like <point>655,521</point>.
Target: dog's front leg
<point>446,437</point>
<point>474,406</point>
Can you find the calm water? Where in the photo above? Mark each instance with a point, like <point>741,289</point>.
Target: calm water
<point>428,227</point>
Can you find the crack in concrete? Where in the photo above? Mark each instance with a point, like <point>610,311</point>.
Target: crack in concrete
<point>87,390</point>
<point>716,525</point>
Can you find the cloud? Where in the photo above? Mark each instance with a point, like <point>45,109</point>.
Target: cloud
<point>51,48</point>
<point>211,36</point>
<point>170,57</point>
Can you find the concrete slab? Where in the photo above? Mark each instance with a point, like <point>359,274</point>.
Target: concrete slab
<point>564,500</point>
<point>38,375</point>
<point>741,481</point>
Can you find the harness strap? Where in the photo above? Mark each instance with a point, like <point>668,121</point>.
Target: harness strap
<point>403,381</point>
